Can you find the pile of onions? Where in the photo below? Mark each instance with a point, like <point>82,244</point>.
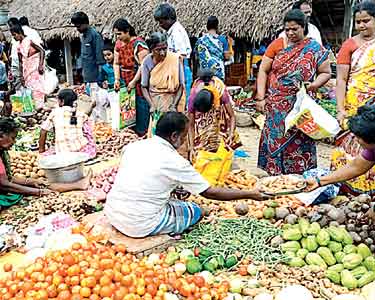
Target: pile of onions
<point>105,179</point>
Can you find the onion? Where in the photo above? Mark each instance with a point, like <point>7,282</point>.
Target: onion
<point>170,296</point>
<point>153,259</point>
<point>263,296</point>
<point>350,297</point>
<point>186,254</point>
<point>236,285</point>
<point>180,268</point>
<point>252,269</point>
<point>368,291</point>
<point>208,277</point>
<point>294,292</point>
<point>233,296</point>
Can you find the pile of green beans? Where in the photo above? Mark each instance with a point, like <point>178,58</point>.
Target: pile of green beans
<point>244,237</point>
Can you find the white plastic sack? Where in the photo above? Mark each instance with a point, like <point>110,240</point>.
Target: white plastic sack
<point>114,102</point>
<point>50,80</point>
<point>312,119</point>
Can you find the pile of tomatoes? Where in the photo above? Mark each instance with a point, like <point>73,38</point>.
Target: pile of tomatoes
<point>93,271</point>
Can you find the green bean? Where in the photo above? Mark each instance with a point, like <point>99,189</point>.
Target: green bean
<point>226,237</point>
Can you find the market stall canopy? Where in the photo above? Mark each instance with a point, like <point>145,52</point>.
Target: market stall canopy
<point>251,19</point>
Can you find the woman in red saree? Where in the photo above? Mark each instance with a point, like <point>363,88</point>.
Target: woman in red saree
<point>287,64</point>
<point>130,51</point>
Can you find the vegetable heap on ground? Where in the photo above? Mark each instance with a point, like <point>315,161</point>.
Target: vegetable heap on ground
<point>28,211</point>
<point>25,165</point>
<point>281,207</point>
<point>350,212</point>
<point>114,144</point>
<point>29,140</point>
<point>331,249</point>
<point>93,271</point>
<point>223,242</point>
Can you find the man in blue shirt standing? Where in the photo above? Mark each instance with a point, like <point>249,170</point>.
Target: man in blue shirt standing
<point>91,51</point>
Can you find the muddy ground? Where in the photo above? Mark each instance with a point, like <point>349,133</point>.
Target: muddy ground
<point>250,140</point>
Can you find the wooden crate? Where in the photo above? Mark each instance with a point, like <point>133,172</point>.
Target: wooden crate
<point>236,70</point>
<point>236,80</point>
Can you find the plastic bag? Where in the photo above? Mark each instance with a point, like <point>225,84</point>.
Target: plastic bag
<point>22,101</point>
<point>122,108</point>
<point>8,238</point>
<point>311,118</point>
<point>38,234</point>
<point>322,194</point>
<point>50,80</point>
<point>214,166</point>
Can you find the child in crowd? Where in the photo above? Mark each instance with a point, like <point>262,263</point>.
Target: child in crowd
<point>106,82</point>
<point>73,129</point>
<point>107,75</point>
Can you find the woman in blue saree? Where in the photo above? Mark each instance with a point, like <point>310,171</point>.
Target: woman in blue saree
<point>213,49</point>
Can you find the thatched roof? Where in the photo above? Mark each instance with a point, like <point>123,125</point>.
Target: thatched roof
<point>253,19</point>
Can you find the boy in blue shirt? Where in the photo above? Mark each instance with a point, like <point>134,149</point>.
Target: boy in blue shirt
<point>106,83</point>
<point>107,74</point>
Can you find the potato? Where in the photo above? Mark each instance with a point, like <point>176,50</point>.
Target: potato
<point>41,173</point>
<point>23,171</point>
<point>34,175</point>
<point>27,173</point>
<point>20,166</point>
<point>35,169</point>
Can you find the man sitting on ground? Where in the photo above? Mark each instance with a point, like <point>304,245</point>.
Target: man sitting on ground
<point>139,203</point>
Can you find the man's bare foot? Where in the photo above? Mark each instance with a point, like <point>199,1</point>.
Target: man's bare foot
<point>84,183</point>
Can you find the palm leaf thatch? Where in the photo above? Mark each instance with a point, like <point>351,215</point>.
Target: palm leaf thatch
<point>251,19</point>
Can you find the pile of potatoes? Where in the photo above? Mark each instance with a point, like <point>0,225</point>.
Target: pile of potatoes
<point>25,165</point>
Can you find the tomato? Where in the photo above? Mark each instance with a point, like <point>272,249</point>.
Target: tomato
<point>69,260</point>
<point>141,290</point>
<point>106,291</point>
<point>90,282</point>
<point>85,292</point>
<point>196,251</point>
<point>206,297</point>
<point>151,289</point>
<point>76,297</point>
<point>120,293</point>
<point>75,289</point>
<point>73,270</point>
<point>64,295</point>
<point>126,281</point>
<point>57,279</point>
<point>185,290</point>
<point>120,248</point>
<point>7,267</point>
<point>199,281</point>
<point>105,280</point>
<point>62,287</point>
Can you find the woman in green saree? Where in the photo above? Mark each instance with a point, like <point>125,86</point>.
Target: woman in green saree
<point>12,189</point>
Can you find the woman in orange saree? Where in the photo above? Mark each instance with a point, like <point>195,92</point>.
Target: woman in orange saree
<point>355,88</point>
<point>162,80</point>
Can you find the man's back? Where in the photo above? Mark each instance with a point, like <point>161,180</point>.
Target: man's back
<point>149,171</point>
<point>141,189</point>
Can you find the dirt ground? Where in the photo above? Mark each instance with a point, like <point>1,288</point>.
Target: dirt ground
<point>250,140</point>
